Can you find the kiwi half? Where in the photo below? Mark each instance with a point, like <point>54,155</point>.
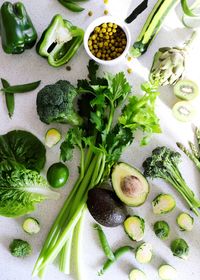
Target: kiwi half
<point>186,89</point>
<point>183,111</point>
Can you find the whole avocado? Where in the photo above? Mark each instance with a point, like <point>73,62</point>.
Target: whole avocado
<point>105,207</point>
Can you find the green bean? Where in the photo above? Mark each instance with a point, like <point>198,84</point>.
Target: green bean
<point>118,253</point>
<point>10,99</point>
<point>104,243</point>
<point>72,6</point>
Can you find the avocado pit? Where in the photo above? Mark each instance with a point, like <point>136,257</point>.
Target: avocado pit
<point>131,186</point>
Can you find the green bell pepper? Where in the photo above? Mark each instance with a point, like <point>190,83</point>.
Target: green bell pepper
<point>60,41</point>
<point>16,28</point>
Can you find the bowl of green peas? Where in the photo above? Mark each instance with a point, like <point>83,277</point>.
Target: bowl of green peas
<point>107,40</point>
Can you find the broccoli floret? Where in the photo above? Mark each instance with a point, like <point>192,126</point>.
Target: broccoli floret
<point>20,248</point>
<point>163,163</point>
<point>55,103</point>
<point>180,248</point>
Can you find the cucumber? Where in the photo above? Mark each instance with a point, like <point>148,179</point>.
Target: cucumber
<point>185,221</point>
<point>52,137</point>
<point>167,272</point>
<point>152,26</point>
<point>144,253</point>
<point>137,274</point>
<point>134,226</point>
<point>163,203</point>
<point>31,226</point>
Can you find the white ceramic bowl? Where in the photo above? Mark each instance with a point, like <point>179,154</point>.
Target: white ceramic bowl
<point>99,21</point>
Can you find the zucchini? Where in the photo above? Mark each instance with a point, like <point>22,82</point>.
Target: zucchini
<point>31,226</point>
<point>163,203</point>
<point>144,253</point>
<point>152,26</point>
<point>137,274</point>
<point>167,272</point>
<point>185,221</point>
<point>134,226</point>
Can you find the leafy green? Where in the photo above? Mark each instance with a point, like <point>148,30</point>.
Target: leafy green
<point>21,189</point>
<point>23,147</point>
<point>106,131</point>
<point>73,138</point>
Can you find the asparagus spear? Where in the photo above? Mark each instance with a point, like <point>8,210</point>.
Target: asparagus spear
<point>194,154</point>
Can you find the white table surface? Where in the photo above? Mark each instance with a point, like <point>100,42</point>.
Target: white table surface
<point>29,67</point>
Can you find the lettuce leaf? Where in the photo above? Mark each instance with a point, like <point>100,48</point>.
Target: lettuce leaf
<point>23,147</point>
<point>21,189</point>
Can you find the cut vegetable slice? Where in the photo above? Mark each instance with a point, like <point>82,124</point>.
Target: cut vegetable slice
<point>167,272</point>
<point>183,111</point>
<point>186,89</point>
<point>185,221</point>
<point>144,253</point>
<point>163,203</point>
<point>137,274</point>
<point>31,226</point>
<point>129,184</point>
<point>134,227</point>
<point>52,137</point>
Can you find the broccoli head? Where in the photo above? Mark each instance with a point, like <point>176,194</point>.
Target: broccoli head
<point>163,164</point>
<point>20,248</point>
<point>55,103</point>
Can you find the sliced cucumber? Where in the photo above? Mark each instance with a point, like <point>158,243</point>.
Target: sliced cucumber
<point>31,226</point>
<point>134,227</point>
<point>163,203</point>
<point>137,274</point>
<point>152,26</point>
<point>183,111</point>
<point>144,253</point>
<point>185,221</point>
<point>52,137</point>
<point>167,272</point>
<point>186,90</point>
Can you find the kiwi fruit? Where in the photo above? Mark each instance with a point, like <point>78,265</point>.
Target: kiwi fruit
<point>183,111</point>
<point>186,89</point>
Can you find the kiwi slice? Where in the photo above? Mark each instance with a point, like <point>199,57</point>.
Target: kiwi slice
<point>186,89</point>
<point>183,111</point>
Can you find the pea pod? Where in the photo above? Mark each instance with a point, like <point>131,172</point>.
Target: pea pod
<point>21,88</point>
<point>104,243</point>
<point>10,99</point>
<point>118,253</point>
<point>72,6</point>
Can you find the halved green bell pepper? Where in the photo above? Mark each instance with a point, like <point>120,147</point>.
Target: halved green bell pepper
<point>16,28</point>
<point>60,41</point>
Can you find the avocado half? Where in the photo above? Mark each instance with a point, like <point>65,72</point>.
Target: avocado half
<point>129,184</point>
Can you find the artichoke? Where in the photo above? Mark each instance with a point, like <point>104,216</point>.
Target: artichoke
<point>169,64</point>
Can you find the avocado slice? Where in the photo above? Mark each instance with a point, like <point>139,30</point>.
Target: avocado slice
<point>130,185</point>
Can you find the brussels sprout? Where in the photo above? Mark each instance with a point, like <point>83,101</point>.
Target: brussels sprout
<point>180,248</point>
<point>161,229</point>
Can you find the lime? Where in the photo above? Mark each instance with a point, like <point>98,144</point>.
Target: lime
<point>57,175</point>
